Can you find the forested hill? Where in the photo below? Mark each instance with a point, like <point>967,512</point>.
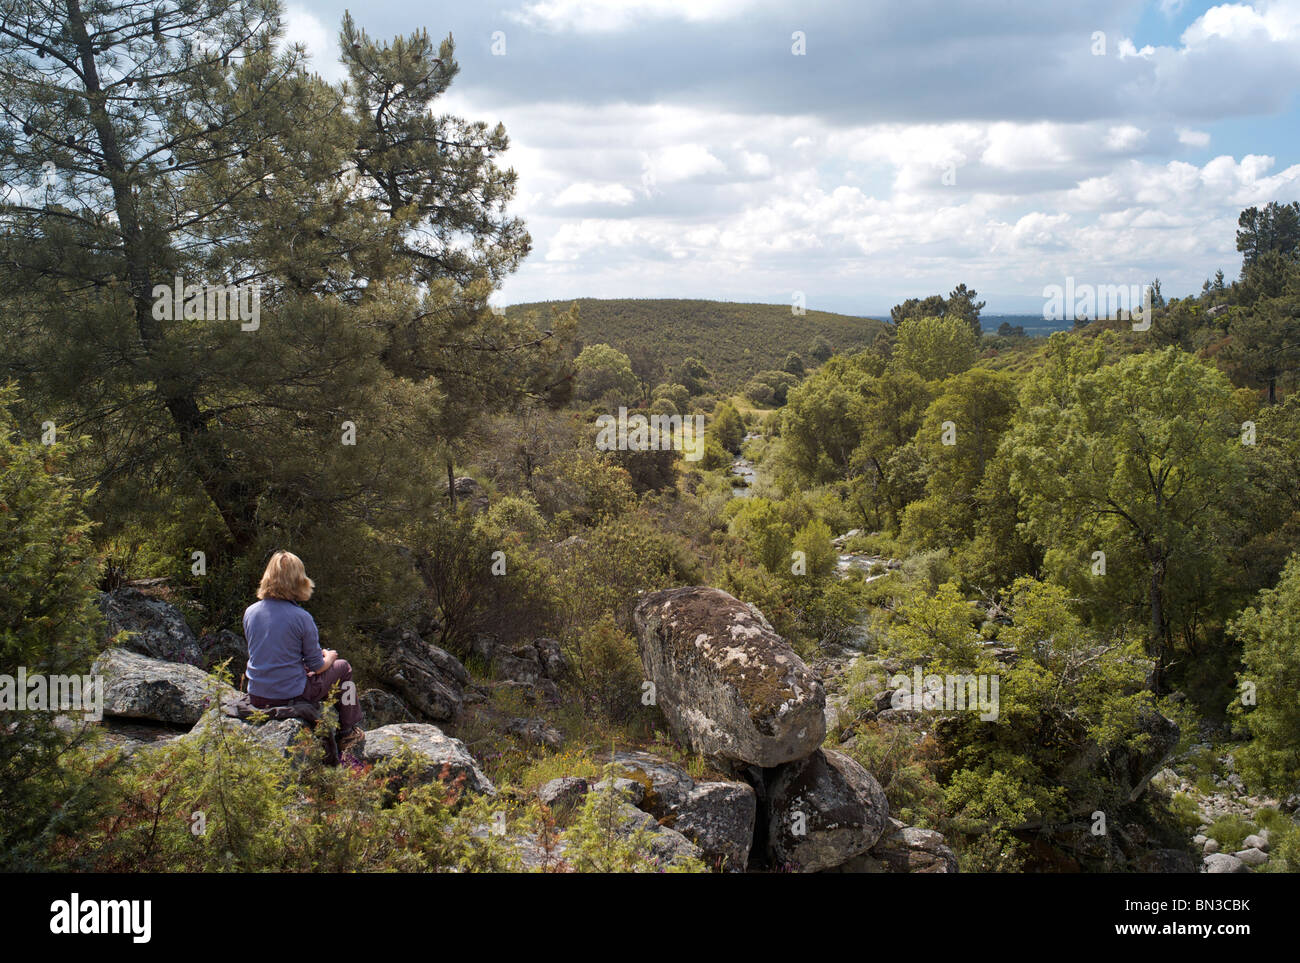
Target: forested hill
<point>733,340</point>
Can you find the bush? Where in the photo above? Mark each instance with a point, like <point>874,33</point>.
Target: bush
<point>49,624</point>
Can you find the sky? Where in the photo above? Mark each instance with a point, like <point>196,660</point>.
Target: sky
<point>858,153</point>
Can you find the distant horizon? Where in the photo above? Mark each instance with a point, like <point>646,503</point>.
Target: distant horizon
<point>985,314</point>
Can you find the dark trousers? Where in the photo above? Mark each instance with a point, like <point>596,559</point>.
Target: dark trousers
<point>318,687</point>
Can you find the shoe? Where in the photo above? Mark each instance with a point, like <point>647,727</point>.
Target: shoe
<point>351,738</point>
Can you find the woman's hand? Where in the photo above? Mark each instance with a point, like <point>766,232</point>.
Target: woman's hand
<point>330,656</point>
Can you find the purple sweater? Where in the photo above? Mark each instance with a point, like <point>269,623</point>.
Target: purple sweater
<point>282,645</point>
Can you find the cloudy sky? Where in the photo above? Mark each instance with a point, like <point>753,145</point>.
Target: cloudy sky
<point>683,148</point>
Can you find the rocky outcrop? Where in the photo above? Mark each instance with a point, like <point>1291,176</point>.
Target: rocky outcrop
<point>728,685</point>
<point>140,687</point>
<point>823,811</point>
<point>155,628</point>
<point>430,680</point>
<point>434,755</point>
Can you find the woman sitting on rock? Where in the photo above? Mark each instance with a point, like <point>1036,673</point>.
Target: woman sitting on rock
<point>285,661</point>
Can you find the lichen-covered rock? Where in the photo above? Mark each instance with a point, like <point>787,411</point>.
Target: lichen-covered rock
<point>718,817</point>
<point>436,755</point>
<point>156,628</point>
<point>549,653</point>
<point>1252,857</point>
<point>823,811</point>
<point>728,685</point>
<point>139,687</point>
<point>430,680</point>
<point>665,843</point>
<point>666,786</point>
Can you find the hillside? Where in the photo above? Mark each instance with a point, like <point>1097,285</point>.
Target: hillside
<point>734,340</point>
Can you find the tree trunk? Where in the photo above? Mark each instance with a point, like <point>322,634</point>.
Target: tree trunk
<point>1158,627</point>
<point>451,484</point>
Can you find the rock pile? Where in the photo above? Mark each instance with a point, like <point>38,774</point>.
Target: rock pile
<point>734,691</point>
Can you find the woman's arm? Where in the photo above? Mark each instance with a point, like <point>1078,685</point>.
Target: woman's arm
<point>329,656</point>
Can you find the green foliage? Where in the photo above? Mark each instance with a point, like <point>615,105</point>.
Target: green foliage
<point>605,374</point>
<point>1139,459</point>
<point>814,540</point>
<point>604,661</point>
<point>759,523</point>
<point>1231,831</point>
<point>904,763</point>
<point>727,428</point>
<point>935,348</point>
<point>770,388</point>
<point>49,624</point>
<point>1268,630</point>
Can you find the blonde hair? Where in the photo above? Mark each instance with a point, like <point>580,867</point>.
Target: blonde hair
<point>285,578</point>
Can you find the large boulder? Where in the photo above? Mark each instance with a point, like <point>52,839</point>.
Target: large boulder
<point>728,685</point>
<point>138,687</point>
<point>435,754</point>
<point>430,680</point>
<point>823,811</point>
<point>156,629</point>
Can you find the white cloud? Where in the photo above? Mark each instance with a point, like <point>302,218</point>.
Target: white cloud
<point>680,162</point>
<point>1193,138</point>
<point>604,16</point>
<point>583,193</point>
<point>302,26</point>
